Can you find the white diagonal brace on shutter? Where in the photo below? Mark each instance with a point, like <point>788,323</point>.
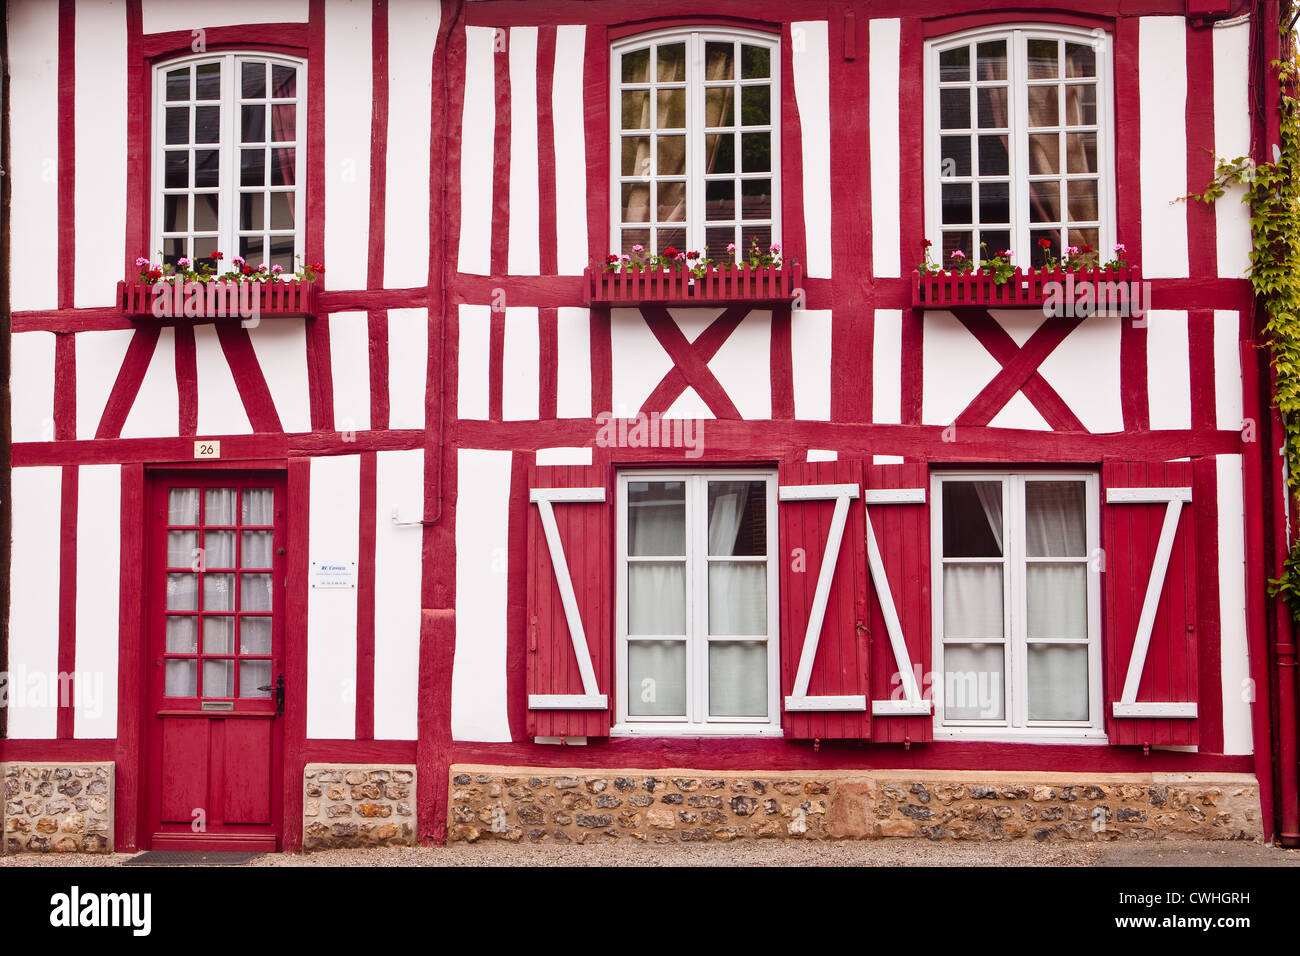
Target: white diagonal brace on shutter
<point>911,705</point>
<point>799,699</point>
<point>591,698</point>
<point>1172,498</point>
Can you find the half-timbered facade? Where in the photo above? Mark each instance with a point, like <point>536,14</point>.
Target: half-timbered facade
<point>471,538</point>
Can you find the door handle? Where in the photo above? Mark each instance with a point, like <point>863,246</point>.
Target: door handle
<point>278,687</point>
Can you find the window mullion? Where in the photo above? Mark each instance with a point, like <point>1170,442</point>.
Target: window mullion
<point>695,142</point>
<point>228,156</point>
<point>1018,684</point>
<point>1018,95</point>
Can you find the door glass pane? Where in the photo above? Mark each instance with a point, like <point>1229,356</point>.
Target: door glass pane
<point>972,519</point>
<point>737,598</point>
<point>656,678</point>
<point>255,635</point>
<point>181,678</point>
<point>183,506</point>
<point>656,601</point>
<point>219,549</point>
<point>973,682</point>
<point>257,549</point>
<point>656,518</point>
<point>1058,600</point>
<point>254,675</point>
<point>255,592</point>
<point>218,678</point>
<point>219,506</point>
<point>218,592</point>
<point>1058,682</point>
<point>218,635</point>
<point>258,506</point>
<point>1054,519</point>
<point>737,518</point>
<point>972,601</point>
<point>182,592</point>
<point>182,635</point>
<point>181,549</point>
<point>738,679</point>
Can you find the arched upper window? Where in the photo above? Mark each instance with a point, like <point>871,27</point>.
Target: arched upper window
<point>228,158</point>
<point>696,141</point>
<point>1020,141</point>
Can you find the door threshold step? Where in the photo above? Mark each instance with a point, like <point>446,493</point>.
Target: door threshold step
<point>190,858</point>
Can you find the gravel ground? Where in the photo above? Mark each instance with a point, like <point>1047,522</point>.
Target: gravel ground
<point>765,853</point>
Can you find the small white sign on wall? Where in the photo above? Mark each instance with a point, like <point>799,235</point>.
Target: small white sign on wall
<point>333,574</point>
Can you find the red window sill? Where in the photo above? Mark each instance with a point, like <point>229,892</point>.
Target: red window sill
<point>137,300</point>
<point>770,286</point>
<point>1031,289</point>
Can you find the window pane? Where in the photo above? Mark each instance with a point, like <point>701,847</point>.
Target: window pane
<point>756,152</point>
<point>1082,196</point>
<point>995,202</point>
<point>181,679</point>
<point>252,123</point>
<point>636,202</point>
<point>756,105</point>
<point>720,201</point>
<point>656,600</point>
<point>1045,201</point>
<point>218,592</point>
<point>1043,55</point>
<point>1039,255</point>
<point>954,109</point>
<point>255,592</point>
<point>656,518</point>
<point>955,155</point>
<point>1080,60</point>
<point>720,153</point>
<point>957,202</point>
<point>1043,106</point>
<point>284,80</point>
<point>1057,600</point>
<point>749,235</point>
<point>719,107</point>
<point>219,549</point>
<point>218,635</point>
<point>636,156</point>
<point>283,171</point>
<point>671,105</point>
<point>252,167</point>
<point>756,196</point>
<point>253,80</point>
<point>257,548</point>
<point>177,169</point>
<point>972,601</point>
<point>284,123</point>
<point>207,81</point>
<point>250,247</point>
<point>1054,519</point>
<point>991,60</point>
<point>176,214</point>
<point>207,124</point>
<point>177,126</point>
<point>972,519</point>
<point>737,598</point>
<point>1081,105</point>
<point>656,678</point>
<point>257,506</point>
<point>954,65</point>
<point>755,62</point>
<point>737,518</point>
<point>636,66</point>
<point>670,62</point>
<point>1081,152</point>
<point>282,253</point>
<point>1058,682</point>
<point>178,84</point>
<point>636,109</point>
<point>252,676</point>
<point>182,635</point>
<point>738,679</point>
<point>182,592</point>
<point>973,686</point>
<point>1044,153</point>
<point>181,548</point>
<point>719,61</point>
<point>994,158</point>
<point>254,635</point>
<point>671,156</point>
<point>992,107</point>
<point>250,211</point>
<point>672,202</point>
<point>205,212</point>
<point>207,168</point>
<point>219,506</point>
<point>218,678</point>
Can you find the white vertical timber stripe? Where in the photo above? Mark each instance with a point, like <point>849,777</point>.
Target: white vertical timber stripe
<point>564,456</point>
<point>1162,91</point>
<point>477,137</point>
<point>156,411</point>
<point>99,544</point>
<point>281,349</point>
<point>399,484</point>
<point>887,367</point>
<point>33,103</point>
<point>573,363</point>
<point>412,33</point>
<point>810,363</point>
<point>523,256</point>
<point>161,16</point>
<point>478,676</point>
<point>33,602</point>
<point>741,366</point>
<point>100,124</point>
<point>333,527</point>
<point>31,386</point>
<point>408,366</point>
<point>1232,139</point>
<point>348,103</point>
<point>813,92</point>
<point>520,365</point>
<point>1228,386</point>
<point>1234,656</point>
<point>823,454</point>
<point>883,114</point>
<point>472,362</point>
<point>99,359</point>
<point>221,410</point>
<point>1168,369</point>
<point>569,121</point>
<point>350,368</point>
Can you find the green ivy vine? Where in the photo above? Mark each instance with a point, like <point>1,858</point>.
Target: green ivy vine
<point>1272,190</point>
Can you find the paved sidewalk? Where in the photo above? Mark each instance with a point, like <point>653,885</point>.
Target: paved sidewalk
<point>761,853</point>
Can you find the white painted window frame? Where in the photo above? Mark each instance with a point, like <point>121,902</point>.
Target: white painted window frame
<point>228,188</point>
<point>697,722</point>
<point>695,40</point>
<point>1017,36</point>
<point>1016,725</point>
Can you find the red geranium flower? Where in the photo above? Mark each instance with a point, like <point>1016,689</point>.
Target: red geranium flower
<point>155,275</point>
<point>671,252</point>
<point>692,255</point>
<point>1045,243</point>
<point>1087,249</point>
<point>317,267</point>
<point>248,270</point>
<point>611,258</point>
<point>926,243</point>
<point>217,256</point>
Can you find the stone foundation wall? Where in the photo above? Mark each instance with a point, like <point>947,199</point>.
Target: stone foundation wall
<point>57,807</point>
<point>670,806</point>
<point>351,805</point>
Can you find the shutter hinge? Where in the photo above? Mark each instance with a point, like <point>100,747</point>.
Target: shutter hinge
<point>532,634</point>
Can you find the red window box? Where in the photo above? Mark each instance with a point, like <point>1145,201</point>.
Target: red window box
<point>222,301</point>
<point>770,285</point>
<point>1030,289</point>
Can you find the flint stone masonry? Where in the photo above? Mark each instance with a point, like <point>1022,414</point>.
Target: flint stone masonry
<point>537,805</point>
<point>357,805</point>
<point>57,807</point>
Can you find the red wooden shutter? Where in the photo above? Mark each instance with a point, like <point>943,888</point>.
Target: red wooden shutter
<point>1149,550</point>
<point>898,525</point>
<point>570,597</point>
<point>825,679</point>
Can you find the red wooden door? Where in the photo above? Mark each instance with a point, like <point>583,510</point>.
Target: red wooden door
<point>216,631</point>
